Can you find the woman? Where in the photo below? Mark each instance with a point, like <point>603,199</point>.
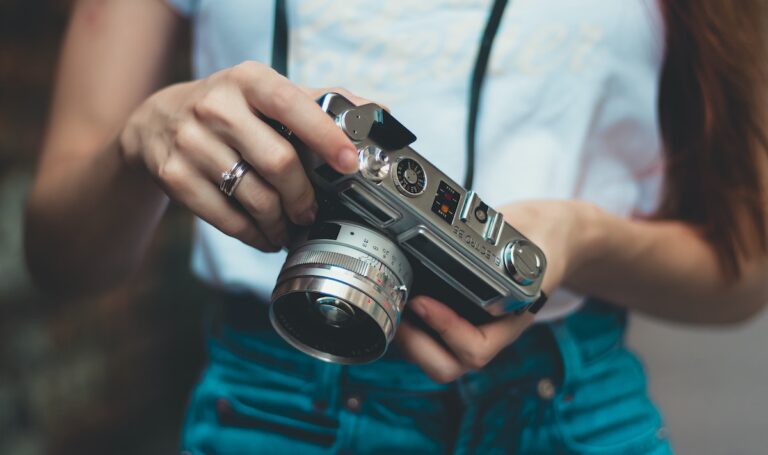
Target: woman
<point>636,127</point>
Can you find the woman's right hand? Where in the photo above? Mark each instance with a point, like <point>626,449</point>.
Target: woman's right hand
<point>188,134</point>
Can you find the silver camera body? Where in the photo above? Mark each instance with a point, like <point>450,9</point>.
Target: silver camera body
<point>397,227</point>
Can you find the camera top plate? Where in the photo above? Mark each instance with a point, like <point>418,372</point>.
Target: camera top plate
<point>444,226</point>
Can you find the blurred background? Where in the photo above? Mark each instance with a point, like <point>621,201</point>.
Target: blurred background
<point>112,374</point>
<point>108,375</point>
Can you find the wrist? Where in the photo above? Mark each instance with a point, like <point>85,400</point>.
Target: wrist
<point>131,171</point>
<point>126,146</point>
<point>590,233</point>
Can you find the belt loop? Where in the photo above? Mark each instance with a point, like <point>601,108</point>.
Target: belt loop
<point>328,382</point>
<point>569,351</point>
<point>465,389</point>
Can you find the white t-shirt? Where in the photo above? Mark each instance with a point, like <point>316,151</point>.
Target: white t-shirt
<point>568,107</point>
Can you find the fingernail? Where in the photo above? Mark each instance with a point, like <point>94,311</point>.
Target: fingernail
<point>308,216</point>
<point>347,159</point>
<point>275,248</point>
<point>282,239</point>
<point>419,308</point>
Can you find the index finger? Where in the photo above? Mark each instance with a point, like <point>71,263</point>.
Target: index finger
<point>473,345</point>
<point>279,99</point>
<point>461,337</point>
<point>433,358</point>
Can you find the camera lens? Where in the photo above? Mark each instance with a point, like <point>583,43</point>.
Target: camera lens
<point>336,312</point>
<point>340,293</point>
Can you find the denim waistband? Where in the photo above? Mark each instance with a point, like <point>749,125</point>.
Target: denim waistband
<point>242,329</point>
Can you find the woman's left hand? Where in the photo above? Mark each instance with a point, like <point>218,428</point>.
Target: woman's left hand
<point>562,229</point>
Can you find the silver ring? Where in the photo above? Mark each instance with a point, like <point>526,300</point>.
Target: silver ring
<point>231,178</point>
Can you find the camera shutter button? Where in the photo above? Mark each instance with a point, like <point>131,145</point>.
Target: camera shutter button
<point>523,261</point>
<point>373,163</point>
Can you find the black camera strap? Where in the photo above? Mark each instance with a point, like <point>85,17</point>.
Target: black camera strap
<point>280,39</point>
<point>280,64</point>
<point>476,85</point>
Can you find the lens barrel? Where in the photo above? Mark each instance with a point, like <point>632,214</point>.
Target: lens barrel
<point>340,293</point>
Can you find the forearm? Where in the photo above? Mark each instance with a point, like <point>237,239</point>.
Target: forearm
<point>666,269</point>
<point>89,221</point>
<point>89,214</point>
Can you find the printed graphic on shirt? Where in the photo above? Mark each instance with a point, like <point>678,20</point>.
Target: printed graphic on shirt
<point>336,43</point>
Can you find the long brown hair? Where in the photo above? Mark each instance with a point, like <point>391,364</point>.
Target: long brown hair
<point>711,107</point>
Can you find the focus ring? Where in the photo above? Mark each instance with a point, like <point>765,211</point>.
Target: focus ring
<point>354,265</point>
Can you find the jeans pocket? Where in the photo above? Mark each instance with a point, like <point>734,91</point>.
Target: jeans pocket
<point>606,410</point>
<point>269,399</point>
<point>243,405</point>
<point>309,427</point>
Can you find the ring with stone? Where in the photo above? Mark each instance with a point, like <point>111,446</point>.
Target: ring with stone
<point>231,178</point>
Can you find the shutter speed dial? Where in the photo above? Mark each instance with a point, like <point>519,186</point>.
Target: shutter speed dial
<point>410,178</point>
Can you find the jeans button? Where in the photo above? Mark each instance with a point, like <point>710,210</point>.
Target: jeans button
<point>546,389</point>
<point>223,406</point>
<point>319,405</point>
<point>354,403</point>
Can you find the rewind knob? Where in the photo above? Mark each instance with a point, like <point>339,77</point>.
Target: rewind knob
<point>524,262</point>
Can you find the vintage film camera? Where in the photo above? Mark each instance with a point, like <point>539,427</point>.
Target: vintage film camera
<point>395,228</point>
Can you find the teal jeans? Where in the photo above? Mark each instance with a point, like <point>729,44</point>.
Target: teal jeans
<point>568,387</point>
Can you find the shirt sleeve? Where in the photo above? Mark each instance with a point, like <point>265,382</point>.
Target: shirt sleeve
<point>184,7</point>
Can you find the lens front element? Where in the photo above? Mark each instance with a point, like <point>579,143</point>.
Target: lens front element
<point>336,312</point>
